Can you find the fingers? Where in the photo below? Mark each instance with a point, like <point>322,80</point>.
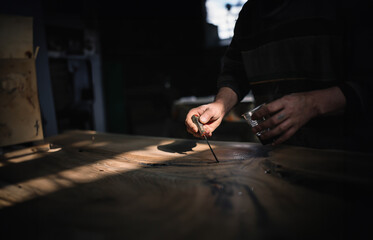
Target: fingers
<point>290,132</point>
<point>277,131</point>
<point>190,126</point>
<point>283,117</point>
<point>195,134</point>
<point>208,117</point>
<point>271,122</point>
<point>268,109</point>
<point>261,113</point>
<point>280,125</point>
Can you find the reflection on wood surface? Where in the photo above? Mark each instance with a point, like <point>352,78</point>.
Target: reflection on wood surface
<point>107,186</point>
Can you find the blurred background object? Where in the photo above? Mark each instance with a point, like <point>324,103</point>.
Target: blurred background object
<point>20,119</point>
<point>124,68</point>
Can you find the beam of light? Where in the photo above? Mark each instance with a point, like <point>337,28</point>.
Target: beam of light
<point>13,194</point>
<point>42,186</point>
<point>25,155</point>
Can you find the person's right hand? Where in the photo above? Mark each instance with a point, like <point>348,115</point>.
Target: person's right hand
<point>210,115</point>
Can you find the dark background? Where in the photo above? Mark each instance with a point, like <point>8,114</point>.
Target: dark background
<point>119,66</point>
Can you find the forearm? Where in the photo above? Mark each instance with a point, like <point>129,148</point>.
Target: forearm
<point>227,98</point>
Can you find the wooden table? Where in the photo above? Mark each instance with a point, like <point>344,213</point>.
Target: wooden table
<point>104,186</point>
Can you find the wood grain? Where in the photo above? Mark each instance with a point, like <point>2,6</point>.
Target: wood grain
<point>107,186</point>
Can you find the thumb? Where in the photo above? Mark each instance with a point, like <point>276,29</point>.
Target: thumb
<point>207,116</point>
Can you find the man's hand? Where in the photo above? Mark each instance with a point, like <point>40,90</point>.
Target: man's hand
<point>291,112</point>
<point>212,114</point>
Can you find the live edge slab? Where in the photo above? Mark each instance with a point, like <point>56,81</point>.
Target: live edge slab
<point>91,185</point>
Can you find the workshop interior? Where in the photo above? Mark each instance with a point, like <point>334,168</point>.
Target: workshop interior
<point>93,141</point>
<point>129,67</point>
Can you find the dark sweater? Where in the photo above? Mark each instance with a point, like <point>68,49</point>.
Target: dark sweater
<point>286,46</point>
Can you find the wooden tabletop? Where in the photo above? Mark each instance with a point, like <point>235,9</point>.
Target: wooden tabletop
<point>92,185</point>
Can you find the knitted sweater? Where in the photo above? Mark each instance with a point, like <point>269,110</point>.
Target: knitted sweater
<point>286,46</point>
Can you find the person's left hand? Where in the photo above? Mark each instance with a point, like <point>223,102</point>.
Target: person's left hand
<point>287,115</point>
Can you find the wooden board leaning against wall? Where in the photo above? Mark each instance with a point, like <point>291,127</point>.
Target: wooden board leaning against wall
<point>20,118</point>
